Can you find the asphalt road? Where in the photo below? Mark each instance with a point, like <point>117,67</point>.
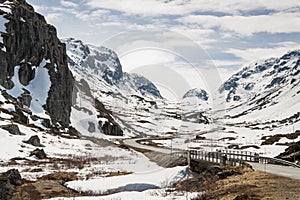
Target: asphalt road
<point>285,171</point>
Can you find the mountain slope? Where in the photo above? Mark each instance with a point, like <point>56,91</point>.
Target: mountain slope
<point>266,91</point>
<point>105,64</point>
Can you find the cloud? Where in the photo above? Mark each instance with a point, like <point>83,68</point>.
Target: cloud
<point>144,57</point>
<point>183,7</point>
<point>248,25</point>
<point>68,4</point>
<point>53,17</point>
<point>253,54</point>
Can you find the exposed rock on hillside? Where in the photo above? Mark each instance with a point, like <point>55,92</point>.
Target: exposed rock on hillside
<point>8,181</point>
<point>198,93</point>
<point>29,45</point>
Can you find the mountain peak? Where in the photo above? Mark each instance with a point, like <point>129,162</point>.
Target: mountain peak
<point>198,93</point>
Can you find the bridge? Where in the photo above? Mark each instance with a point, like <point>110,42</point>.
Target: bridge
<point>228,157</point>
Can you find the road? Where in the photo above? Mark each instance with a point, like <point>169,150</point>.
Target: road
<point>285,171</point>
<point>133,143</point>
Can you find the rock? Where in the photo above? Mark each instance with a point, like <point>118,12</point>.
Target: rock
<point>242,197</point>
<point>204,168</point>
<point>84,86</point>
<point>12,129</point>
<point>198,93</point>
<point>25,99</point>
<point>73,132</point>
<point>141,83</point>
<point>233,146</point>
<point>292,153</point>
<point>199,137</point>
<point>8,181</point>
<point>39,153</point>
<point>92,127</point>
<point>26,73</point>
<point>28,43</point>
<point>46,123</point>
<point>35,141</point>
<point>20,117</point>
<point>112,129</point>
<point>223,175</point>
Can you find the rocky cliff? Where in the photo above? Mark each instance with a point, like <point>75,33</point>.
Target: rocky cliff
<point>30,44</point>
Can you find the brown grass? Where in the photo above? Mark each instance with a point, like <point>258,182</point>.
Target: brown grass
<point>48,186</point>
<point>253,185</point>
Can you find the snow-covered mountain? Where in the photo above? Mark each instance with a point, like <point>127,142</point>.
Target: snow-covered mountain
<point>266,91</point>
<point>105,64</point>
<point>132,101</point>
<point>198,93</point>
<point>63,105</point>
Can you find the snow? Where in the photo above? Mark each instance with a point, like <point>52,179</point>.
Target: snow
<point>16,91</point>
<point>9,107</point>
<point>146,195</point>
<point>4,7</point>
<point>159,178</point>
<point>38,87</point>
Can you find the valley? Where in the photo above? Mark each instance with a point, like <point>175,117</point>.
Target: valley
<point>70,116</point>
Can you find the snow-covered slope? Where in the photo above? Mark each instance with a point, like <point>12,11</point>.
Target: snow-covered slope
<point>266,91</point>
<point>105,64</point>
<point>132,101</point>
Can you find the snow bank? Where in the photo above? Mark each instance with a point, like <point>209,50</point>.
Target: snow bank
<point>159,178</point>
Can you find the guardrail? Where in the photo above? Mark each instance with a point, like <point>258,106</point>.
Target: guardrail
<point>231,157</point>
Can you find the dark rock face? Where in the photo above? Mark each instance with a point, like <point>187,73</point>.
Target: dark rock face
<point>39,153</point>
<point>35,141</point>
<point>8,181</point>
<point>112,129</point>
<point>12,129</point>
<point>28,42</point>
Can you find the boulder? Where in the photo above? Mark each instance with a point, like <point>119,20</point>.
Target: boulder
<point>35,141</point>
<point>8,181</point>
<point>92,127</point>
<point>46,123</point>
<point>39,153</point>
<point>12,129</point>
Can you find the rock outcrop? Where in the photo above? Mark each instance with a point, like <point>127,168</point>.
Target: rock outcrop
<point>8,181</point>
<point>35,141</point>
<point>12,129</point>
<point>39,153</point>
<point>110,127</point>
<point>29,42</point>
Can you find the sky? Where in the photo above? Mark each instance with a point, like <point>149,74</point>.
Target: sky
<point>180,44</point>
